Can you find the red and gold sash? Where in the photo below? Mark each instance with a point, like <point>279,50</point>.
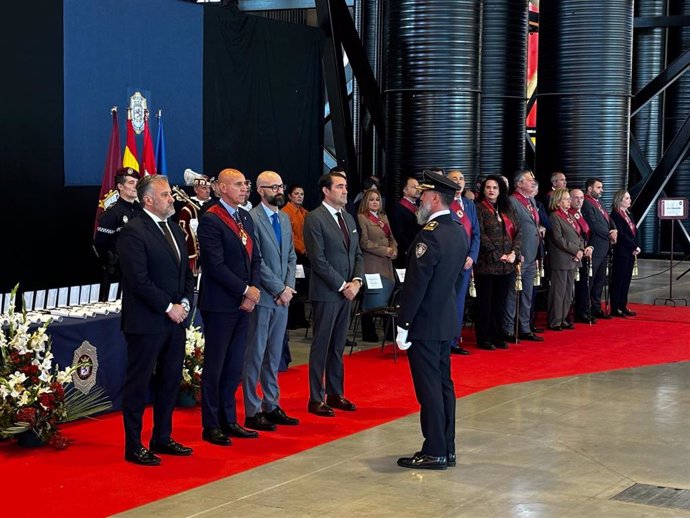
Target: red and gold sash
<point>565,216</point>
<point>408,205</point>
<point>239,231</point>
<point>598,206</point>
<point>581,222</point>
<point>462,216</point>
<point>511,230</point>
<point>380,223</point>
<point>631,225</point>
<point>524,201</point>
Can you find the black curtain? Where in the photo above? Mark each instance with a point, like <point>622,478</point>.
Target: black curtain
<point>263,98</point>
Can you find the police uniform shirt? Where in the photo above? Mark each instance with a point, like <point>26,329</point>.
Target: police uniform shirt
<point>110,224</point>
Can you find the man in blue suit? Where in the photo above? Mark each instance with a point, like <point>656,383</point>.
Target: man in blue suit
<point>157,285</point>
<point>463,211</point>
<point>268,321</point>
<point>230,264</point>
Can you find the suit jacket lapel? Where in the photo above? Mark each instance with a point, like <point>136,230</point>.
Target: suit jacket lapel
<point>155,229</point>
<point>334,224</point>
<point>268,226</point>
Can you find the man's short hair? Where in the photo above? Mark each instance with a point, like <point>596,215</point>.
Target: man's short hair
<point>591,181</point>
<point>327,181</point>
<point>145,184</point>
<point>338,169</point>
<point>554,175</point>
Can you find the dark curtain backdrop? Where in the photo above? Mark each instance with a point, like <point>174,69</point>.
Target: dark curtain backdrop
<point>263,98</point>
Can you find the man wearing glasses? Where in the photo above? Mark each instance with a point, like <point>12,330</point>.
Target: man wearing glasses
<point>268,321</point>
<point>230,263</point>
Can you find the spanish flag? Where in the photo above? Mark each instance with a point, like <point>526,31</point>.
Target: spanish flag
<point>130,157</point>
<point>148,162</point>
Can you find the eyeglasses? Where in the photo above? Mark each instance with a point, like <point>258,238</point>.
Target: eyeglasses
<point>274,188</point>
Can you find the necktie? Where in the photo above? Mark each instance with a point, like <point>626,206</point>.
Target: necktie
<point>169,238</point>
<point>343,228</point>
<point>237,218</point>
<point>276,228</point>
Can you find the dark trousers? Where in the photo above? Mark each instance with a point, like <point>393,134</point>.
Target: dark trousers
<point>226,337</point>
<point>492,291</point>
<point>463,287</point>
<point>597,281</point>
<point>582,302</point>
<point>331,322</point>
<point>430,368</point>
<point>153,360</point>
<point>621,275</point>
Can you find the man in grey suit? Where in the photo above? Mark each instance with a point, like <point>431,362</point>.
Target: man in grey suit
<point>268,321</point>
<point>528,216</point>
<point>332,242</point>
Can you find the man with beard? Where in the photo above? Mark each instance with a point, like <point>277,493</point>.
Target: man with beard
<point>430,323</point>
<point>337,266</point>
<point>267,323</point>
<point>157,287</point>
<point>603,233</point>
<point>403,220</point>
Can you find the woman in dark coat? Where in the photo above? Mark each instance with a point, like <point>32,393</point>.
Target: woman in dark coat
<point>499,253</point>
<point>624,252</point>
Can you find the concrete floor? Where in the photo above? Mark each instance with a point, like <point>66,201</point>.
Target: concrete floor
<point>552,448</point>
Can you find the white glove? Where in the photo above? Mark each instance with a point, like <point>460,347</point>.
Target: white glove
<point>401,339</point>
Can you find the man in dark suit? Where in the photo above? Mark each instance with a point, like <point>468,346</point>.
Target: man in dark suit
<point>332,242</point>
<point>429,323</point>
<point>268,321</point>
<point>230,264</point>
<point>603,233</point>
<point>157,286</point>
<point>403,220</point>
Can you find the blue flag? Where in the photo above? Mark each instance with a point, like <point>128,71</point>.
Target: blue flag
<point>161,162</point>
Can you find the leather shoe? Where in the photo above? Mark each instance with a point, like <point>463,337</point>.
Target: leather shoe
<point>339,402</point>
<point>456,349</point>
<point>617,313</point>
<point>259,422</point>
<point>584,319</point>
<point>422,461</point>
<point>510,338</point>
<point>487,346</point>
<point>235,430</point>
<point>628,313</point>
<point>215,436</point>
<point>531,337</point>
<point>278,416</point>
<point>452,460</point>
<point>555,328</point>
<point>537,330</point>
<point>568,326</point>
<point>320,408</point>
<point>500,344</point>
<point>143,457</point>
<point>170,448</point>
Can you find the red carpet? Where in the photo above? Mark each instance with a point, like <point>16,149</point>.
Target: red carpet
<point>91,479</point>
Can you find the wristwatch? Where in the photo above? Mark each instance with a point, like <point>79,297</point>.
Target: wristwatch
<point>185,305</point>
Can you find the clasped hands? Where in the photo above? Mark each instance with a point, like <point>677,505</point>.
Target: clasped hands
<point>177,313</point>
<point>251,297</point>
<point>351,289</point>
<point>285,296</point>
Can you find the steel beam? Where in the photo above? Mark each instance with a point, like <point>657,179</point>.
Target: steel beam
<point>660,83</point>
<point>652,22</point>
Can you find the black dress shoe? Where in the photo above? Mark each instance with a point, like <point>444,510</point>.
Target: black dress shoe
<point>170,448</point>
<point>215,436</point>
<point>235,430</point>
<point>487,346</point>
<point>600,314</point>
<point>422,461</point>
<point>531,337</point>
<point>500,344</point>
<point>628,313</point>
<point>451,461</point>
<point>278,416</point>
<point>456,349</point>
<point>143,457</point>
<point>510,338</point>
<point>567,326</point>
<point>339,402</point>
<point>259,422</point>
<point>536,330</point>
<point>618,313</point>
<point>320,408</point>
<point>555,328</point>
<point>584,319</point>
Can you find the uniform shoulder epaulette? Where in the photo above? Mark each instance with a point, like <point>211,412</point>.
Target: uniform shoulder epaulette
<point>431,225</point>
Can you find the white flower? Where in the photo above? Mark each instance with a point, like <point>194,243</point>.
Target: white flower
<point>64,376</point>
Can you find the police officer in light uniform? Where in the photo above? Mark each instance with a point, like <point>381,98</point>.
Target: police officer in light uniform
<point>111,222</point>
<point>428,319</point>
